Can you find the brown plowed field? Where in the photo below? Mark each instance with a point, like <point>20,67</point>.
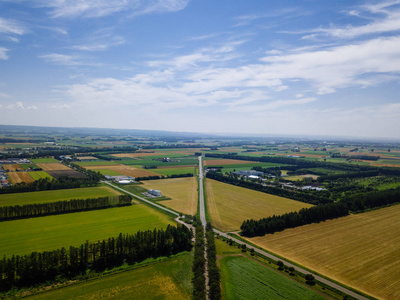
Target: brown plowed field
<point>135,155</point>
<point>52,166</point>
<point>12,167</point>
<point>217,162</point>
<point>17,177</point>
<point>87,157</point>
<point>361,250</point>
<point>126,170</point>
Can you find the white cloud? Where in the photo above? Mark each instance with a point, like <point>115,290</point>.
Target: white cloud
<point>101,45</point>
<point>101,8</point>
<point>3,53</point>
<point>10,27</point>
<point>66,60</point>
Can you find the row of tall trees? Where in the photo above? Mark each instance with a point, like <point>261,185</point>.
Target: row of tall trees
<point>46,267</point>
<point>199,261</point>
<point>300,195</point>
<point>214,277</point>
<point>15,212</point>
<point>45,184</point>
<point>304,216</point>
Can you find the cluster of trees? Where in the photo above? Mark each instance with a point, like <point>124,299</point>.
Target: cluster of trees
<point>61,207</point>
<point>199,261</point>
<point>46,267</point>
<point>44,184</point>
<point>304,216</point>
<point>361,174</point>
<point>295,195</point>
<point>214,277</point>
<point>374,199</point>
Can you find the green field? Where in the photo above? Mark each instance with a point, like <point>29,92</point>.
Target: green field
<point>244,278</point>
<point>56,195</point>
<point>171,171</point>
<point>169,279</point>
<point>44,160</point>
<point>39,174</point>
<point>53,232</point>
<point>98,163</point>
<point>27,166</point>
<point>108,172</point>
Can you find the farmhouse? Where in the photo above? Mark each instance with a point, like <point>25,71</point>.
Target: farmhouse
<point>156,193</point>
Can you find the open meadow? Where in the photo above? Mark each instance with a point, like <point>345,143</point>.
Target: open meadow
<point>39,175</point>
<point>56,195</point>
<point>182,191</point>
<point>167,171</point>
<point>361,250</point>
<point>244,278</point>
<point>53,232</point>
<point>44,160</point>
<point>228,205</point>
<point>169,279</point>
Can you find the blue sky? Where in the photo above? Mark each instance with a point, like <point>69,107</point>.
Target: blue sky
<point>304,67</point>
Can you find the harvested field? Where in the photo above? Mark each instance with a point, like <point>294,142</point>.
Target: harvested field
<point>230,205</point>
<point>135,155</point>
<point>366,258</point>
<point>125,170</point>
<point>12,167</point>
<point>87,158</point>
<point>70,173</point>
<point>385,165</point>
<point>182,191</point>
<point>220,162</point>
<point>17,177</point>
<point>52,166</point>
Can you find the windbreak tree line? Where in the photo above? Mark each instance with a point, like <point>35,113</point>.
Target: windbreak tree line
<point>315,214</point>
<point>199,261</point>
<point>61,207</point>
<point>46,267</point>
<point>44,184</point>
<point>214,277</point>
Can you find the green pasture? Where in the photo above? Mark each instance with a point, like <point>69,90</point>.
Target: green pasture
<point>149,162</point>
<point>237,167</point>
<point>56,195</point>
<point>389,161</point>
<point>39,175</point>
<point>53,232</point>
<point>27,166</point>
<point>171,171</point>
<point>244,278</point>
<point>44,160</point>
<point>380,183</point>
<point>166,279</point>
<point>108,172</point>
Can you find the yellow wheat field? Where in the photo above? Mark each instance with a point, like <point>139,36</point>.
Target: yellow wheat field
<point>360,250</point>
<point>182,191</point>
<point>229,205</point>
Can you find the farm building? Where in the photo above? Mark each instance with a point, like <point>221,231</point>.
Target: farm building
<point>124,181</point>
<point>249,173</point>
<point>156,193</point>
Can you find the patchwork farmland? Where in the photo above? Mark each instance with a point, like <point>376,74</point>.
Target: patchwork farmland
<point>18,177</point>
<point>366,257</point>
